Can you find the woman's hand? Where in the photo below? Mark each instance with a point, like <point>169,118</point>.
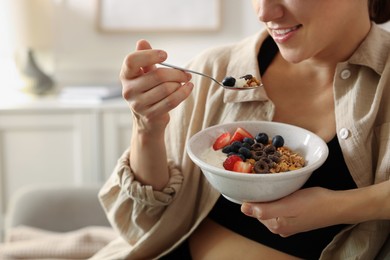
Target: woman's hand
<point>152,92</point>
<point>301,211</point>
<point>316,207</point>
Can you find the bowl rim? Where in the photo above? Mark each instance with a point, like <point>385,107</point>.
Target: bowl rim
<point>236,175</point>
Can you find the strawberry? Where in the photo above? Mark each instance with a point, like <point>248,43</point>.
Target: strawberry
<point>240,134</point>
<point>241,166</point>
<point>222,141</point>
<point>228,164</point>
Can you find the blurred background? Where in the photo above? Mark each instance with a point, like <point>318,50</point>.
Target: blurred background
<point>49,46</point>
<point>74,137</point>
<point>74,50</point>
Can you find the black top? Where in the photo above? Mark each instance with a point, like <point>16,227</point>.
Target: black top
<point>333,174</point>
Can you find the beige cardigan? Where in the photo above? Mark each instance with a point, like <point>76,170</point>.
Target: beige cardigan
<point>152,222</point>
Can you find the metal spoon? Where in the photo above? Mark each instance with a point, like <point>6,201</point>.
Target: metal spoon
<point>213,79</point>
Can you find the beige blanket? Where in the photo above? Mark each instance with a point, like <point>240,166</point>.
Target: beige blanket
<point>32,243</point>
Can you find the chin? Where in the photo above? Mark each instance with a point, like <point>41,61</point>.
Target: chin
<point>292,56</point>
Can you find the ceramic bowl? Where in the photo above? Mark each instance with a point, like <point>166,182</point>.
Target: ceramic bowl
<point>255,187</point>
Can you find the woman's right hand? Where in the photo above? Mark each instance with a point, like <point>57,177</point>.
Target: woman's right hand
<point>152,92</point>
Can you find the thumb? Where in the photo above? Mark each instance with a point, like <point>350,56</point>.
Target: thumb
<point>261,211</point>
<point>144,45</point>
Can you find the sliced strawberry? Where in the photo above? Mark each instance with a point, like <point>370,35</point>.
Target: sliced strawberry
<point>244,167</point>
<point>228,164</point>
<point>240,134</point>
<point>222,141</point>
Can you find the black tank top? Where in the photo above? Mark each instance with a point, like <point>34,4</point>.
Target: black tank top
<point>333,174</point>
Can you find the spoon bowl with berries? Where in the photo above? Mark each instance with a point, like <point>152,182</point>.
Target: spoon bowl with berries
<point>246,82</point>
<point>256,161</point>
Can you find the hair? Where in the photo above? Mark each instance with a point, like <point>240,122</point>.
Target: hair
<point>379,10</point>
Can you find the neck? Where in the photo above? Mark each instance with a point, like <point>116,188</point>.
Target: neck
<point>343,49</point>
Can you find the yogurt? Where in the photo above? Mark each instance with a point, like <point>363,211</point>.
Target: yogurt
<point>214,158</point>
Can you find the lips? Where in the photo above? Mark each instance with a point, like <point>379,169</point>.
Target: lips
<point>284,31</point>
<point>281,35</point>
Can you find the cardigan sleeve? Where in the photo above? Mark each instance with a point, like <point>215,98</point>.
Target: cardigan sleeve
<point>133,208</point>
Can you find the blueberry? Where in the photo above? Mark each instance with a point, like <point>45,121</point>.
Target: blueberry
<point>262,138</point>
<point>235,146</point>
<point>245,152</point>
<point>248,140</point>
<point>229,81</point>
<point>246,145</point>
<point>227,149</point>
<point>277,141</point>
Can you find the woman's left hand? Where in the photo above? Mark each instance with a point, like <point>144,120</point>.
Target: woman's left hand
<point>316,207</point>
<point>304,210</point>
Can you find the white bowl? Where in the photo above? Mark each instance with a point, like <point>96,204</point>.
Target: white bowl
<point>244,187</point>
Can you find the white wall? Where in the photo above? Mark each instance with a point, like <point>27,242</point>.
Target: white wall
<point>85,54</point>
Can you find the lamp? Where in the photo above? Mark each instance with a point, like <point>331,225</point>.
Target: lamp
<point>32,32</point>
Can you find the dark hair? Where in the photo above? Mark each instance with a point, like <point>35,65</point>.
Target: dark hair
<point>379,10</point>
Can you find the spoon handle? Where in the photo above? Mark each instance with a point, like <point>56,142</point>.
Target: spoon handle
<point>191,71</point>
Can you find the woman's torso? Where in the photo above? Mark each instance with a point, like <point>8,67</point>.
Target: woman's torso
<point>361,85</point>
<point>309,105</point>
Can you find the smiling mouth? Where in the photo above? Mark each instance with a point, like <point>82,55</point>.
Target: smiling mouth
<point>282,32</point>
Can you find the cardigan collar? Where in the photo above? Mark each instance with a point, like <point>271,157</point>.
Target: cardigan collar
<point>374,50</point>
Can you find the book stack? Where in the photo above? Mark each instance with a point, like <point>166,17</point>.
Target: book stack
<point>88,94</point>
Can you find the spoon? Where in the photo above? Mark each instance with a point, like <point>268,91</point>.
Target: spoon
<point>227,86</point>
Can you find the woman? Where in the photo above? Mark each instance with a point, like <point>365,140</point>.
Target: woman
<point>325,67</point>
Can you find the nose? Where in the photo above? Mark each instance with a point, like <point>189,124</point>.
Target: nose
<point>268,10</point>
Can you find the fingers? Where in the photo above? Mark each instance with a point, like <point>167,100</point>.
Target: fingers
<point>254,210</point>
<point>152,91</point>
<point>145,45</point>
<point>276,225</point>
<point>156,93</point>
<point>168,102</point>
<point>269,215</point>
<point>264,210</point>
<point>141,61</point>
<point>154,79</point>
